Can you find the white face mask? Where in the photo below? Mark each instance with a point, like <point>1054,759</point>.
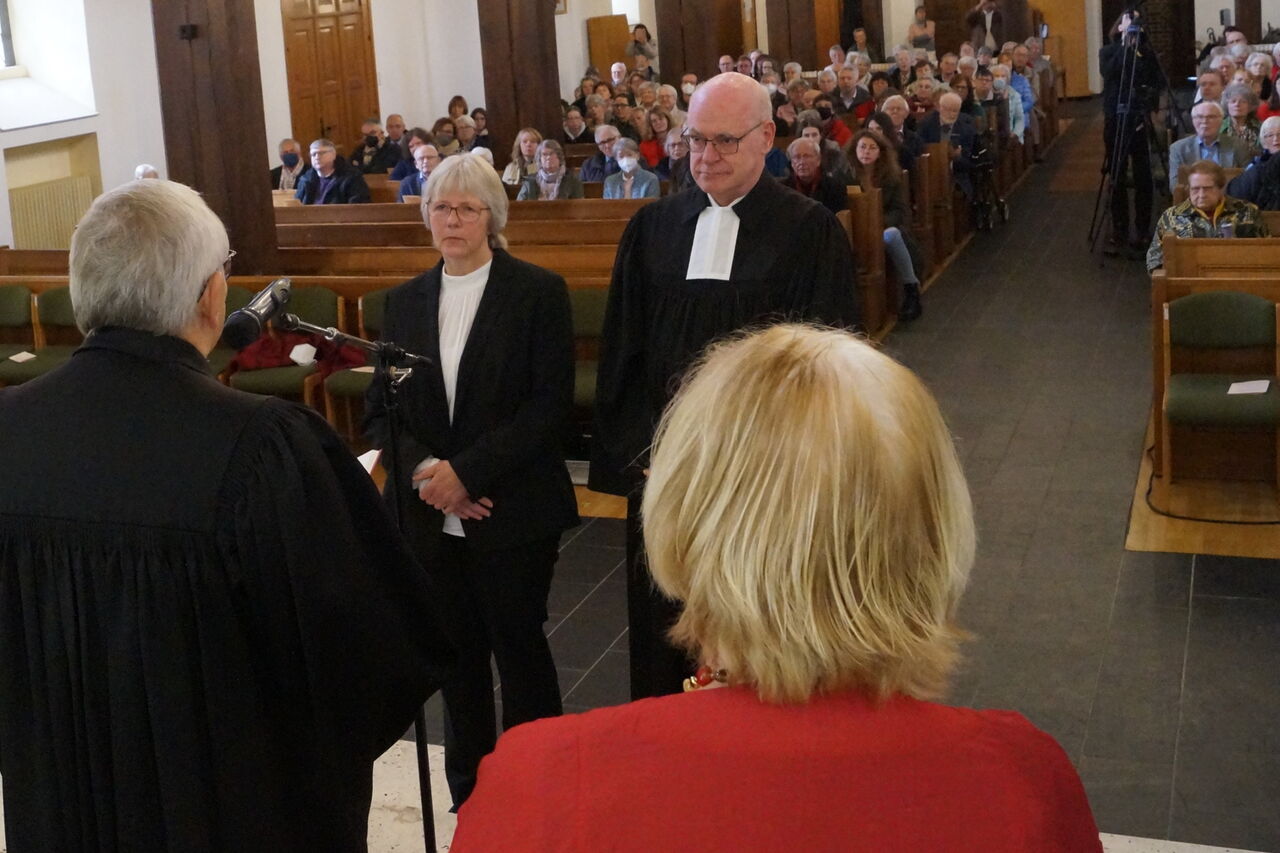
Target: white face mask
<point>628,164</point>
<point>999,84</point>
<point>688,88</point>
<point>772,88</point>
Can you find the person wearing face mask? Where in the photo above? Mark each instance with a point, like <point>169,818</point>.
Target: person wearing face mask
<point>688,83</point>
<point>771,83</point>
<point>995,107</point>
<point>445,135</point>
<point>1005,92</point>
<point>630,181</point>
<point>292,166</point>
<point>832,127</point>
<point>376,152</point>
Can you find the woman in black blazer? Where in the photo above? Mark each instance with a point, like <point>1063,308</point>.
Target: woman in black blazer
<point>480,451</point>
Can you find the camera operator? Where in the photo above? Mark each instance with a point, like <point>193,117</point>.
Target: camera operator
<point>1127,100</point>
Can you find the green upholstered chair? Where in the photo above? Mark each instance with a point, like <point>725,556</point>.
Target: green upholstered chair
<point>55,337</point>
<point>220,358</point>
<point>1244,325</point>
<point>17,329</point>
<point>343,389</point>
<point>317,305</point>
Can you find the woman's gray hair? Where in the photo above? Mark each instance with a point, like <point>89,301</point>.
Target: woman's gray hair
<point>592,101</point>
<point>464,121</point>
<point>1268,123</point>
<point>674,135</point>
<point>668,89</point>
<point>1243,91</point>
<point>549,145</point>
<point>141,256</point>
<point>808,118</point>
<point>625,144</point>
<point>649,86</point>
<point>468,172</point>
<point>825,74</point>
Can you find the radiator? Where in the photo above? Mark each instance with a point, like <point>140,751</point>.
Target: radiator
<point>44,215</point>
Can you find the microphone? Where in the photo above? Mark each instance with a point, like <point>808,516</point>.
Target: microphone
<point>244,326</point>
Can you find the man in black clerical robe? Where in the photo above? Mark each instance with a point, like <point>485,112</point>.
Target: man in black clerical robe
<point>209,627</point>
<point>738,251</point>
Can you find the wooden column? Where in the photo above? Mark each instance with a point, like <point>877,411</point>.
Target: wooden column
<point>1249,19</point>
<point>695,33</point>
<point>519,34</point>
<point>793,33</point>
<point>214,130</point>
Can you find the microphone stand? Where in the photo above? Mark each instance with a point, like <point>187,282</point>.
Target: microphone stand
<point>389,359</point>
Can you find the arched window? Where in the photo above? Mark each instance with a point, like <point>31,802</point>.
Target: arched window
<point>6,36</point>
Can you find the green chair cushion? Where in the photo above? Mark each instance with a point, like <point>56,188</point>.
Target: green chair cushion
<point>373,307</point>
<point>1202,398</point>
<point>348,383</point>
<point>274,381</point>
<point>15,373</point>
<point>588,305</point>
<point>54,307</point>
<point>1222,319</point>
<point>15,306</point>
<point>584,384</point>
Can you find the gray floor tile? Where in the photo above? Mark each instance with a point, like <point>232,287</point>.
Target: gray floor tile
<point>1128,797</point>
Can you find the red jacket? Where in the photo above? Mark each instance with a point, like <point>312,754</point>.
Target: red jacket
<point>718,770</point>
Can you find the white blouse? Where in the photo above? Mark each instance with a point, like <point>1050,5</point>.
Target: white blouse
<point>459,299</point>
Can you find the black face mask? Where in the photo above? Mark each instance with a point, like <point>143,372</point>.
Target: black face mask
<point>824,113</point>
<point>371,141</point>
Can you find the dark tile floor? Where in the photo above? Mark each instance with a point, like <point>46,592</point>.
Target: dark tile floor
<point>1158,673</point>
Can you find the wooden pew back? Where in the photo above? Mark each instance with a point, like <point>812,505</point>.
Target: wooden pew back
<point>1216,258</point>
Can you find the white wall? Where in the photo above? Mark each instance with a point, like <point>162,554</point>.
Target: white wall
<point>49,39</point>
<point>1093,29</point>
<point>126,93</point>
<point>897,17</point>
<point>1207,16</point>
<point>573,54</point>
<point>275,78</point>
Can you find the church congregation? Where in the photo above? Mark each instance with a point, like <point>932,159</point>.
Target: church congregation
<point>672,302</point>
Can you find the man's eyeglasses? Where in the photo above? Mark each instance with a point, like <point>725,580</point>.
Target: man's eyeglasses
<point>226,264</point>
<point>466,213</point>
<point>608,143</point>
<point>723,144</point>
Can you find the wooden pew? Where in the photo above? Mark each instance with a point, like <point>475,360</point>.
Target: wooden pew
<point>922,213</point>
<point>518,210</point>
<point>34,261</point>
<point>576,261</point>
<point>518,233</point>
<point>864,223</point>
<point>1216,258</point>
<point>943,217</point>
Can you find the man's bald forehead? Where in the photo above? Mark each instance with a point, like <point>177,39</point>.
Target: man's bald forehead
<point>734,90</point>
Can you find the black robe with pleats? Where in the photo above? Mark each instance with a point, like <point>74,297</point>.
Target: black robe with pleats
<point>209,627</point>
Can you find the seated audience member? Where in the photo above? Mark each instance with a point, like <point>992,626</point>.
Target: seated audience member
<point>746,65</point>
<point>606,90</point>
<point>966,50</point>
<point>1209,86</point>
<point>465,128</point>
<point>773,85</point>
<point>876,167</point>
<point>835,163</point>
<point>985,56</point>
<point>948,64</point>
<point>837,56</point>
<point>659,125</point>
<point>630,181</point>
<point>725,64</point>
<point>849,97</point>
<point>879,86</point>
<point>425,158</point>
<point>575,127</point>
<point>921,96</point>
<point>211,630</point>
<point>1000,75</point>
<point>481,118</point>
<point>906,144</point>
<point>949,124</point>
<point>1240,122</point>
<point>994,106</point>
<point>444,134</point>
<point>484,154</point>
<point>669,102</point>
<point>457,107</point>
<point>585,89</point>
<point>418,136</point>
<point>675,166</point>
<point>1207,143</point>
<point>624,117</point>
<point>618,75</point>
<point>647,98</point>
<point>331,179</point>
<point>1259,183</point>
<point>967,65</point>
<point>807,177</point>
<point>396,132</point>
<point>861,45</point>
<point>597,113</point>
<point>632,90</point>
<point>552,180</point>
<point>827,82</point>
<point>862,63</point>
<point>834,127</point>
<point>902,75</point>
<point>791,71</point>
<point>1207,212</point>
<point>523,163</point>
<point>601,164</point>
<point>292,166</point>
<point>964,88</point>
<point>785,116</point>
<point>644,68</point>
<point>688,85</point>
<point>376,152</point>
<point>145,172</point>
<point>825,621</point>
<point>897,108</point>
<point>923,69</point>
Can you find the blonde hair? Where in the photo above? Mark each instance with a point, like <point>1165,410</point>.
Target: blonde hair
<point>806,505</point>
<point>468,172</point>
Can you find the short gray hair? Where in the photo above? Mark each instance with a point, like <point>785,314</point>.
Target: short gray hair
<point>669,89</point>
<point>141,256</point>
<point>468,172</point>
<point>1268,123</point>
<point>800,141</point>
<point>592,101</point>
<point>826,73</point>
<point>464,121</point>
<point>288,141</point>
<point>145,170</point>
<point>1241,90</point>
<point>625,144</point>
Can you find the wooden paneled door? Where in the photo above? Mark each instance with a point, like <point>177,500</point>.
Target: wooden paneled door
<point>328,50</point>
